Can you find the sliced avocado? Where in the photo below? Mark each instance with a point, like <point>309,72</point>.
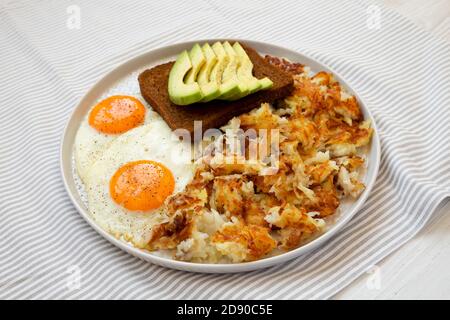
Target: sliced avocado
<point>222,62</point>
<point>229,85</point>
<point>246,71</point>
<point>180,92</point>
<point>198,60</point>
<point>266,83</point>
<point>233,69</point>
<point>210,87</point>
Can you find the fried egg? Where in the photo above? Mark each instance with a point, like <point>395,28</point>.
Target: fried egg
<point>107,120</point>
<point>127,186</point>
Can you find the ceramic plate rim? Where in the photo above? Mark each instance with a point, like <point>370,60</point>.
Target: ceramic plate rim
<point>65,157</point>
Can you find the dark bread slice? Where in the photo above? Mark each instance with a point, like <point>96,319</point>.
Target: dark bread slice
<point>153,84</point>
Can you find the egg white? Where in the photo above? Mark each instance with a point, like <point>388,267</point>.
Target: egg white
<point>154,141</point>
<point>90,144</point>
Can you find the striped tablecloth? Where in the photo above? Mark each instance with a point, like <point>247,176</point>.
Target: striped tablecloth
<point>51,52</point>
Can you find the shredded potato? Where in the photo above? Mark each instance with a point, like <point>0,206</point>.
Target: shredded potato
<point>244,209</point>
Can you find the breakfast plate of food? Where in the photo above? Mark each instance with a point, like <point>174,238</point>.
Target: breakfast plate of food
<point>220,155</point>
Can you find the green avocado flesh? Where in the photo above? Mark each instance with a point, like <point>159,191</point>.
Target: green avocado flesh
<point>210,87</point>
<point>229,83</point>
<point>180,92</point>
<point>221,71</point>
<point>246,71</point>
<point>230,75</point>
<point>197,60</point>
<point>219,67</point>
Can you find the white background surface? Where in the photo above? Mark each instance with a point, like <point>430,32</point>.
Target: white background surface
<point>421,268</point>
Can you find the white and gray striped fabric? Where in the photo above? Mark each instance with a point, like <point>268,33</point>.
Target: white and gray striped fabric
<point>46,65</point>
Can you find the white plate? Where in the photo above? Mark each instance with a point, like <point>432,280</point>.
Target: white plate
<point>164,54</point>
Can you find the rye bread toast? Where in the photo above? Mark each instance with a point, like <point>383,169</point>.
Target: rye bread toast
<point>153,84</point>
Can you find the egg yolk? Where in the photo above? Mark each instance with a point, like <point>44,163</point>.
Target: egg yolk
<point>117,114</point>
<point>141,185</point>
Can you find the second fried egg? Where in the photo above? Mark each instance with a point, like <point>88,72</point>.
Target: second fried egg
<point>129,182</point>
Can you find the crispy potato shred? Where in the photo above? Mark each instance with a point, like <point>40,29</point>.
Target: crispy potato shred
<point>240,208</point>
